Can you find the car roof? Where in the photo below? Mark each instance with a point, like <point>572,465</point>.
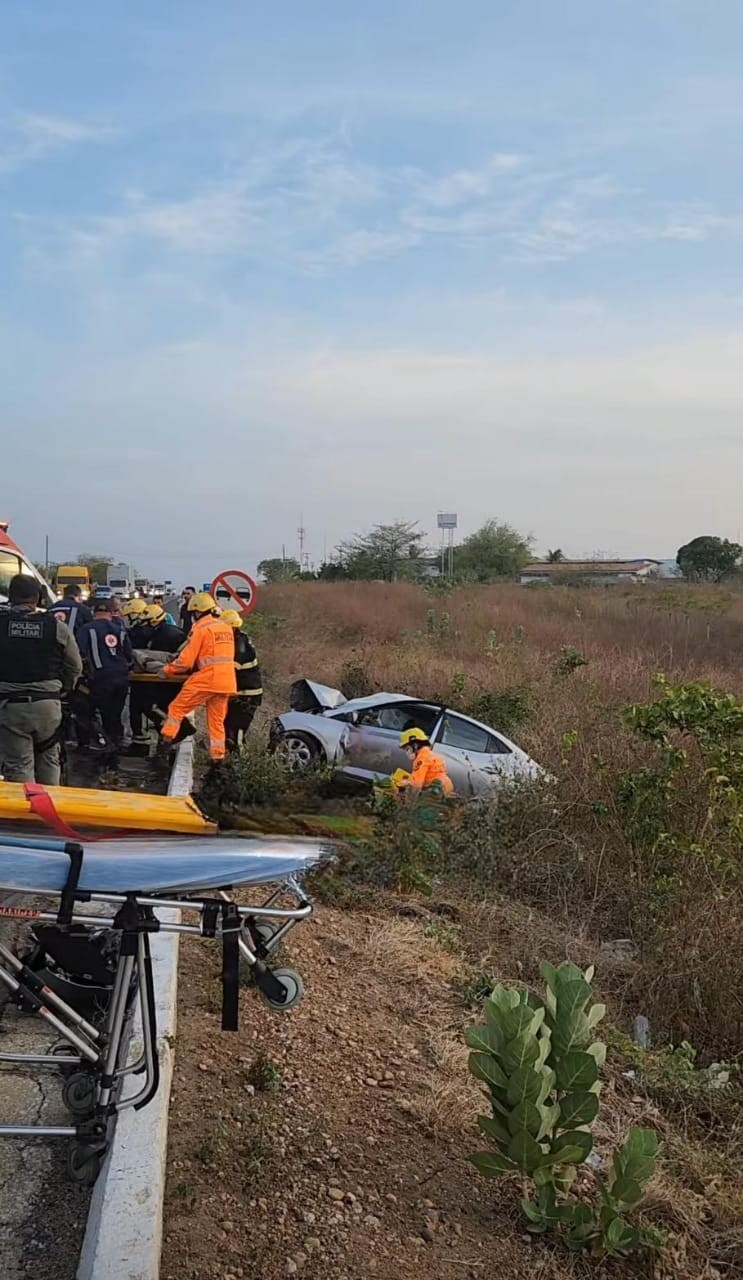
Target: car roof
<point>379,700</point>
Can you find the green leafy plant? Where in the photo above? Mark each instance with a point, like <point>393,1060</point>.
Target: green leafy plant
<point>569,660</point>
<point>541,1065</point>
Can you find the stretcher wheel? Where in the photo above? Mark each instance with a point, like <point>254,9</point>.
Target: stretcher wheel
<point>290,979</point>
<point>83,1165</point>
<point>79,1093</point>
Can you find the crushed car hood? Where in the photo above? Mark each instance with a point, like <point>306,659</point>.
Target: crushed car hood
<point>308,696</point>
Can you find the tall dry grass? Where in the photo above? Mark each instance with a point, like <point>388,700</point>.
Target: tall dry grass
<point>577,860</point>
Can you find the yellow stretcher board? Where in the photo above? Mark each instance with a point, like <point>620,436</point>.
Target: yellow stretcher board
<point>149,678</point>
<point>119,810</point>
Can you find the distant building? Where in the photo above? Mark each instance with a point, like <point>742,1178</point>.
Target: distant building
<point>592,572</point>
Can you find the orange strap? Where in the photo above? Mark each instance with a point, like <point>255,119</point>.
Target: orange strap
<point>41,803</point>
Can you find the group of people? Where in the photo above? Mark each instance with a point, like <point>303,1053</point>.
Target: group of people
<point>80,658</point>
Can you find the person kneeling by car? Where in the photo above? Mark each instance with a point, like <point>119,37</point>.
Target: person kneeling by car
<point>427,769</point>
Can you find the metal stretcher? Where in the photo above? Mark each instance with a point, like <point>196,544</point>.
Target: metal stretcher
<point>86,972</point>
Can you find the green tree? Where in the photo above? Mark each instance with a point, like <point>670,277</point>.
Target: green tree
<point>387,551</point>
<point>709,559</point>
<point>278,569</point>
<point>97,565</point>
<point>555,557</point>
<point>497,550</point>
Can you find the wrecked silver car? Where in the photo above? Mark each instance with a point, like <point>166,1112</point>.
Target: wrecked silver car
<point>360,738</point>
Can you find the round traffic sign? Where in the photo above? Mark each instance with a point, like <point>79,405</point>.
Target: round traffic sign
<point>234,589</point>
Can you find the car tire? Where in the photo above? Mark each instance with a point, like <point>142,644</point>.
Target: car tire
<point>298,752</point>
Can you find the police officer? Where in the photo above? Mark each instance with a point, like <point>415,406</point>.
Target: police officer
<point>107,656</point>
<point>243,706</point>
<point>39,661</point>
<point>70,609</point>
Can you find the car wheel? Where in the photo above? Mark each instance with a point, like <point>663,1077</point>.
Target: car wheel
<point>297,752</point>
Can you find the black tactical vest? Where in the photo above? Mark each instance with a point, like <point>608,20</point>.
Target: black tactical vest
<point>29,650</point>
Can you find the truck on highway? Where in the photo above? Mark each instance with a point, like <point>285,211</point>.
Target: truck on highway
<point>142,587</point>
<point>120,579</point>
<point>69,575</point>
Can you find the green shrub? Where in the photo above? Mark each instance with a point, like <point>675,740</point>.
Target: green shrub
<point>542,1066</point>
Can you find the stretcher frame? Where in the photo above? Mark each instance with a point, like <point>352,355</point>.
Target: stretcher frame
<point>94,1059</point>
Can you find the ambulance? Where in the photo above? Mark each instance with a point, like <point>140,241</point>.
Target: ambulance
<point>13,561</point>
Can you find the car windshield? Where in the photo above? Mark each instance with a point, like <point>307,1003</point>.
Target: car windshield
<point>10,564</point>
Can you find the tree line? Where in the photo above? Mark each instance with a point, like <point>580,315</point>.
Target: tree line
<point>397,552</point>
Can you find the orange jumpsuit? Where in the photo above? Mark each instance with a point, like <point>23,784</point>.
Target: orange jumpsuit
<point>209,653</point>
<point>427,769</point>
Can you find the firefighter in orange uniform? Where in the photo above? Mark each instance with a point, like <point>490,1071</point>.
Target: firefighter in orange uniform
<point>428,769</point>
<point>209,654</point>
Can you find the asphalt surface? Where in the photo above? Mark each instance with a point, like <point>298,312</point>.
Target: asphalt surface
<point>42,1214</point>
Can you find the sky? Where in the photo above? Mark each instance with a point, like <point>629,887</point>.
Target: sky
<point>332,264</point>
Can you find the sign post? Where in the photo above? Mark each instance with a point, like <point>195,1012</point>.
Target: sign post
<point>234,589</point>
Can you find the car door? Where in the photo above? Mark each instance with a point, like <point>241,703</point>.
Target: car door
<point>476,757</point>
<point>373,744</point>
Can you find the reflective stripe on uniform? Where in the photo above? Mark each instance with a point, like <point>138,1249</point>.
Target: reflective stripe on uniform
<point>210,662</point>
<point>247,693</point>
<point>72,618</point>
<point>95,651</point>
<point>247,666</point>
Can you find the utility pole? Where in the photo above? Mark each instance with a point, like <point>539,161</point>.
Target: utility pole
<point>46,556</point>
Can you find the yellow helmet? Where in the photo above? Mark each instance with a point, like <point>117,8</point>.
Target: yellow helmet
<point>133,608</point>
<point>412,735</point>
<point>201,602</point>
<point>232,618</point>
<point>153,614</point>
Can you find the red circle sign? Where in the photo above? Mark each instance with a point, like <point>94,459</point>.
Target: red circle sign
<point>233,589</point>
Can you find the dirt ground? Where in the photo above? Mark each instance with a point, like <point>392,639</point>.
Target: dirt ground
<point>330,1141</point>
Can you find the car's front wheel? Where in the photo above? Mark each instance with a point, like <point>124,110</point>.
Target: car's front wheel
<point>297,752</point>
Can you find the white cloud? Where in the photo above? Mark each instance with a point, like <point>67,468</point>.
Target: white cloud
<point>28,137</point>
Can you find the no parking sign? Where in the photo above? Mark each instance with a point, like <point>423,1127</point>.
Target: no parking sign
<point>234,589</point>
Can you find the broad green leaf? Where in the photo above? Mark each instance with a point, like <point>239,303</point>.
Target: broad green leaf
<point>549,973</point>
<point>577,1109</point>
<point>491,1163</point>
<point>504,998</point>
<point>525,1085</point>
<point>565,1177</point>
<point>571,1034</point>
<point>597,1050</point>
<point>577,1071</point>
<point>572,997</point>
<point>484,1039</point>
<point>566,1155</point>
<point>620,1238</point>
<point>522,1021</point>
<point>568,972</point>
<point>550,1118</point>
<point>494,1022</point>
<point>626,1192</point>
<point>484,1067</point>
<point>574,1139</point>
<point>545,1045</point>
<point>521,1052</point>
<point>525,1151</point>
<point>525,1117</point>
<point>494,1127</point>
<point>535,1215</point>
<point>577,1215</point>
<point>589,973</point>
<point>596,1014</point>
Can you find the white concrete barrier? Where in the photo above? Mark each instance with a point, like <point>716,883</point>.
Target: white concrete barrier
<point>123,1238</point>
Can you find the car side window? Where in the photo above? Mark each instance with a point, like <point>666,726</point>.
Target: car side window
<point>396,717</point>
<point>466,736</point>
